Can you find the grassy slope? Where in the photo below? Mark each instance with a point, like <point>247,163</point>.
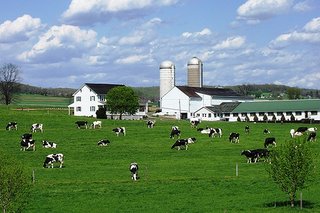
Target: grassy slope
<point>96,179</point>
<point>27,100</point>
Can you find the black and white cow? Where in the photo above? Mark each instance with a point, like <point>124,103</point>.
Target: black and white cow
<point>195,122</point>
<point>261,153</point>
<point>234,137</point>
<point>37,126</point>
<point>215,131</point>
<point>27,144</point>
<point>266,131</point>
<point>120,130</point>
<point>150,123</point>
<point>103,142</point>
<point>81,124</point>
<point>52,158</point>
<point>96,124</point>
<point>312,129</point>
<point>48,144</point>
<point>302,129</point>
<point>247,129</point>
<point>134,171</point>
<point>175,131</point>
<point>312,136</point>
<point>183,142</point>
<point>12,125</point>
<point>252,157</point>
<point>26,136</point>
<point>269,141</point>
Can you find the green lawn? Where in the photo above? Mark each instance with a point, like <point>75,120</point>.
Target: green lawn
<point>200,179</point>
<point>31,100</point>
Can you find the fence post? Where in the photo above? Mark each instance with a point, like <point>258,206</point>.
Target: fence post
<point>300,200</point>
<point>237,170</point>
<point>33,176</point>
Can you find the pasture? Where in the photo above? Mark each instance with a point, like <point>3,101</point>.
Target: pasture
<point>200,179</point>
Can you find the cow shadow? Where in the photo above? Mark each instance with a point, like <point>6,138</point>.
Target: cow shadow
<point>305,204</point>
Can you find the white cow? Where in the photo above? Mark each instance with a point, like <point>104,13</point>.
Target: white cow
<point>36,126</point>
<point>50,159</point>
<point>96,124</point>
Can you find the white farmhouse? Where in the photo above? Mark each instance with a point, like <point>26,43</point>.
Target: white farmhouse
<point>89,97</point>
<point>185,101</point>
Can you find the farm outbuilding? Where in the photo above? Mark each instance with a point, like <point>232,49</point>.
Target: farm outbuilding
<point>272,110</point>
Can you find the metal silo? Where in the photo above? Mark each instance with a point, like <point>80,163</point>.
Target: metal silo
<point>167,77</point>
<point>195,72</point>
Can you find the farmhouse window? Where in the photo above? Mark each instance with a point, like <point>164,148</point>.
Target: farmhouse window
<point>227,115</point>
<point>92,98</point>
<point>204,115</point>
<point>92,108</point>
<point>78,98</point>
<point>78,109</point>
<point>198,115</point>
<point>209,115</point>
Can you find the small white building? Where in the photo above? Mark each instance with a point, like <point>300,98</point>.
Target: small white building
<point>89,97</point>
<point>184,101</point>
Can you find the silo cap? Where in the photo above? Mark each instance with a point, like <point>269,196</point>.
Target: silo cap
<point>194,61</point>
<point>166,65</point>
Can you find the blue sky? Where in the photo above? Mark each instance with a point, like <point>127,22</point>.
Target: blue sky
<point>68,43</point>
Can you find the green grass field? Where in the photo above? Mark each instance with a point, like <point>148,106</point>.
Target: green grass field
<point>200,179</point>
<point>31,100</point>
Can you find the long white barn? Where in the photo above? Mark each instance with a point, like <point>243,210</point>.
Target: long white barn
<point>184,101</point>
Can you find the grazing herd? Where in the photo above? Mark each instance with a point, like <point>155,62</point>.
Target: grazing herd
<point>252,155</point>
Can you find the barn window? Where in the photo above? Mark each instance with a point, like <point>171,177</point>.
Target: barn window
<point>78,98</point>
<point>243,114</point>
<point>92,98</point>
<point>261,113</point>
<point>227,114</point>
<point>92,108</point>
<point>78,109</point>
<point>252,114</point>
<point>270,113</point>
<point>288,113</point>
<point>314,112</point>
<point>279,113</point>
<point>298,113</point>
<point>235,114</point>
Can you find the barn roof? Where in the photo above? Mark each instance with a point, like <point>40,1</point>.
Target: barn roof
<point>192,91</point>
<point>102,88</point>
<point>279,106</point>
<point>224,107</point>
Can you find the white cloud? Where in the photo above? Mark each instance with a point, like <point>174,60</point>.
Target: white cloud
<point>20,29</point>
<point>88,12</point>
<point>204,32</point>
<point>132,59</point>
<point>313,25</point>
<point>256,10</point>
<point>302,6</point>
<point>309,34</point>
<point>60,43</point>
<point>231,43</point>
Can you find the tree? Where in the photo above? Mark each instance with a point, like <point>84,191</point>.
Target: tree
<point>14,185</point>
<point>122,100</point>
<point>9,78</point>
<point>291,167</point>
<point>294,93</point>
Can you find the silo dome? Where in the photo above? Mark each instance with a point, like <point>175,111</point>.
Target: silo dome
<point>194,61</point>
<point>166,65</point>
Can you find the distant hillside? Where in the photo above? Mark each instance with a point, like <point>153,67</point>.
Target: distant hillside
<point>258,91</point>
